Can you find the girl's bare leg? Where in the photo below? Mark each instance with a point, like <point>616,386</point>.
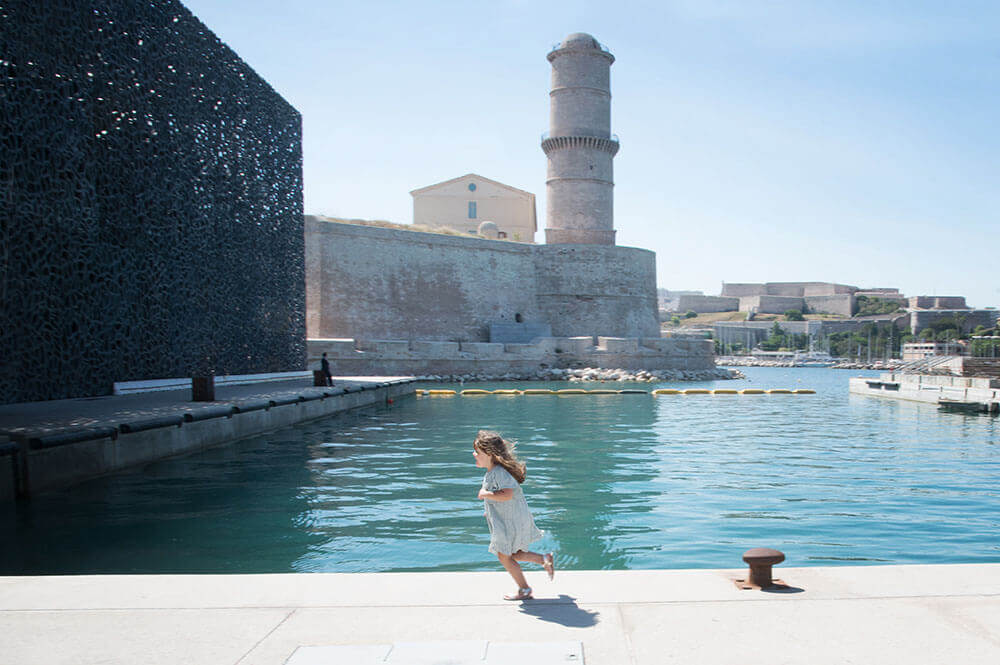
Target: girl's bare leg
<point>512,567</point>
<point>533,557</point>
<point>546,561</point>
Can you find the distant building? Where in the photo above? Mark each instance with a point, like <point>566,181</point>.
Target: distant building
<point>463,203</point>
<point>786,289</point>
<point>669,300</point>
<point>921,350</point>
<point>707,304</point>
<point>965,320</point>
<point>778,297</point>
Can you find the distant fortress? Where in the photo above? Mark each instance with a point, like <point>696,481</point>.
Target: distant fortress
<point>367,286</point>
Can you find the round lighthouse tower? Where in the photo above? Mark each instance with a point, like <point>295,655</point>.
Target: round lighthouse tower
<point>579,144</point>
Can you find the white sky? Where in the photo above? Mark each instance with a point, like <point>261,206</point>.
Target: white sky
<point>847,141</point>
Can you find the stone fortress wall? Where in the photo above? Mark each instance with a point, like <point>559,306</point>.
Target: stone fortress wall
<point>778,297</point>
<point>707,304</point>
<point>967,319</point>
<point>842,304</point>
<point>374,283</point>
<point>812,297</point>
<point>791,289</point>
<point>937,302</point>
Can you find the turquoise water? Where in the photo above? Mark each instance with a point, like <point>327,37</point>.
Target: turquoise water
<point>618,482</point>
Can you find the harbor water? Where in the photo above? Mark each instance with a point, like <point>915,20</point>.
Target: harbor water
<point>616,481</point>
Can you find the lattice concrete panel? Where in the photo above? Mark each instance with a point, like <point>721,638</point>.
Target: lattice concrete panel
<point>151,190</point>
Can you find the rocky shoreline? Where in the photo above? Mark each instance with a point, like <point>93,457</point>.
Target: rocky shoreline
<point>594,374</point>
<point>750,361</point>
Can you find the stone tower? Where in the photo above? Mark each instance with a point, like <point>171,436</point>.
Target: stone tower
<point>579,144</point>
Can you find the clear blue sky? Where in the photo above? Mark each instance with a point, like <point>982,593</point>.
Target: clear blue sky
<point>840,141</point>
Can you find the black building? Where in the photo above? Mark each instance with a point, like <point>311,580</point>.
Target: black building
<point>151,188</point>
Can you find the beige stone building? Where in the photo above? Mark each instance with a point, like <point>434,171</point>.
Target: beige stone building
<point>463,203</point>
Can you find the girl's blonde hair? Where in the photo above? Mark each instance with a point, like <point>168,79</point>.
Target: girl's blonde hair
<point>502,453</point>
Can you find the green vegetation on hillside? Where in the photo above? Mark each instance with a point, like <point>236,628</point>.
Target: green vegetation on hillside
<point>883,338</point>
<point>872,305</point>
<point>779,340</point>
<point>381,223</point>
<point>703,320</point>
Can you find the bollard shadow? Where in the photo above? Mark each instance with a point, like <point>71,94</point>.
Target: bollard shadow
<point>778,586</point>
<point>562,610</point>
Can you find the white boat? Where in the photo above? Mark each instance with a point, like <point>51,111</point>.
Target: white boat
<point>813,359</point>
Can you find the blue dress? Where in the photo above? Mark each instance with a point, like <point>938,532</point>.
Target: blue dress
<point>511,526</point>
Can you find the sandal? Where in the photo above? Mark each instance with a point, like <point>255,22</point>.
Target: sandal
<point>549,564</point>
<point>522,594</point>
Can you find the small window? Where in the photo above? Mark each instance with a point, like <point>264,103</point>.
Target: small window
<point>472,209</point>
<point>501,234</point>
<point>472,186</point>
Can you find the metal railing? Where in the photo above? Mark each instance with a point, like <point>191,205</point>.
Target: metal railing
<point>605,49</point>
<point>613,137</point>
<point>925,364</point>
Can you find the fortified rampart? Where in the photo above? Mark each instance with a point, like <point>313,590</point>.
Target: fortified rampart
<point>707,304</point>
<point>842,304</point>
<point>770,304</point>
<point>375,283</point>
<point>937,302</point>
<point>966,319</point>
<point>787,289</point>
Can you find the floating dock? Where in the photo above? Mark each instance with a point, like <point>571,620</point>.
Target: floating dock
<point>578,391</point>
<point>951,393</point>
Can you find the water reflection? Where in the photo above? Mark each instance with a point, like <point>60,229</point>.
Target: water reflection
<point>623,481</point>
<point>205,513</point>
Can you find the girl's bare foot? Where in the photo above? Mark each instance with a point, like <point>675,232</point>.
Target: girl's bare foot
<point>549,563</point>
<point>523,593</point>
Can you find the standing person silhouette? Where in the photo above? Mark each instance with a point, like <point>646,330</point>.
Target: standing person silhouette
<point>512,528</point>
<point>325,368</point>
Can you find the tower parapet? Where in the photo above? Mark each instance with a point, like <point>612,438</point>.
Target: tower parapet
<point>579,144</point>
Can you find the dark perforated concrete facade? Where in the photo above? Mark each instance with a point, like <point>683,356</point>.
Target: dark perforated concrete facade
<point>151,190</point>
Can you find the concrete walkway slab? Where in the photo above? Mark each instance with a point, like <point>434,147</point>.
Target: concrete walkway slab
<point>462,652</point>
<point>340,655</point>
<point>892,614</point>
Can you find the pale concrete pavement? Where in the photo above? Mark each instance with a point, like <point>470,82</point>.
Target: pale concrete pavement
<point>878,614</point>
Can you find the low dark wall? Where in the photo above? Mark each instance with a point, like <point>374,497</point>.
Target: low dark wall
<point>151,190</point>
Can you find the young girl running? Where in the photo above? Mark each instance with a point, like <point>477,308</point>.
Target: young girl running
<point>512,528</point>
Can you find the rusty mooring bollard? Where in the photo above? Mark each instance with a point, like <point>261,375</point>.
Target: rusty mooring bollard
<point>761,559</point>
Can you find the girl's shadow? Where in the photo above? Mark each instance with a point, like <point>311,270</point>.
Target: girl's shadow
<point>562,610</point>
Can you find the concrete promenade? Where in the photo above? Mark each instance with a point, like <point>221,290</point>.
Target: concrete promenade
<point>61,414</point>
<point>874,614</point>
